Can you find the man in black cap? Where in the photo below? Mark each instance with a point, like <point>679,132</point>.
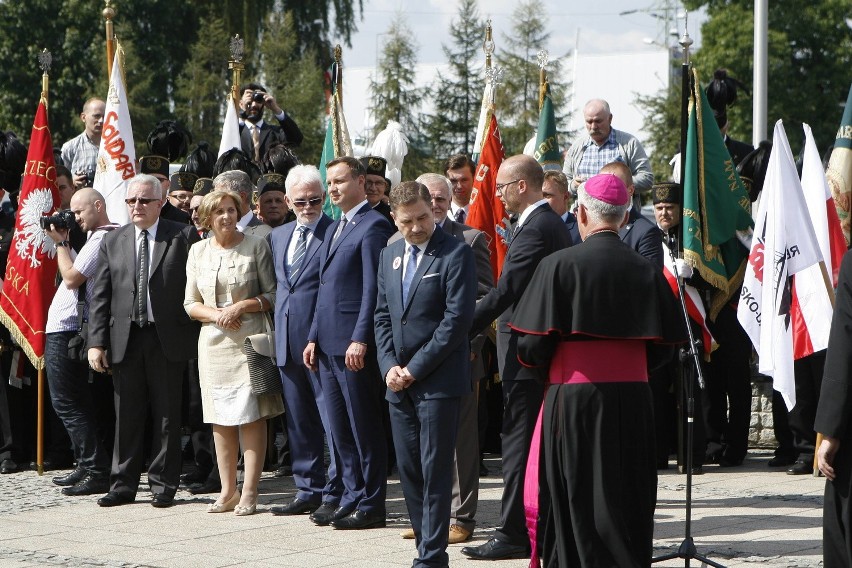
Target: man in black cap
<point>376,185</point>
<point>181,185</point>
<point>272,203</point>
<point>256,136</point>
<point>158,166</point>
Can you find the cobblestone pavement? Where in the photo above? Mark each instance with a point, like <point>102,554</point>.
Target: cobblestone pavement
<point>742,517</point>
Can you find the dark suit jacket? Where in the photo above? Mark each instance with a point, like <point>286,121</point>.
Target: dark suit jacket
<point>385,210</point>
<point>114,291</point>
<point>295,301</point>
<point>347,294</point>
<point>287,131</point>
<point>172,213</point>
<point>542,234</point>
<point>573,228</point>
<point>428,334</point>
<point>644,237</point>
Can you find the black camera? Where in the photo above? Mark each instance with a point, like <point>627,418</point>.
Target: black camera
<point>259,97</point>
<point>90,176</point>
<point>62,220</point>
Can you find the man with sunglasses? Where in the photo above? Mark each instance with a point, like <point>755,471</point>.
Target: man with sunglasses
<point>294,248</point>
<point>138,328</point>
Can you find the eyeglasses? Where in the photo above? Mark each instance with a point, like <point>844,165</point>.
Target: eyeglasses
<point>181,197</point>
<point>500,186</point>
<point>140,200</point>
<point>313,202</point>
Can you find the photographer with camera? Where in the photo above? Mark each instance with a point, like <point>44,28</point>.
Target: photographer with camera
<point>80,154</point>
<point>65,354</point>
<point>256,135</point>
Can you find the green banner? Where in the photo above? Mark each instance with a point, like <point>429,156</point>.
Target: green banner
<point>546,144</point>
<point>715,204</point>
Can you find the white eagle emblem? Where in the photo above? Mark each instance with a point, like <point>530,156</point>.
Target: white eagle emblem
<point>30,240</point>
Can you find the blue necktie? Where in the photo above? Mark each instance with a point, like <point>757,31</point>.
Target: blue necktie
<point>299,253</point>
<point>410,269</point>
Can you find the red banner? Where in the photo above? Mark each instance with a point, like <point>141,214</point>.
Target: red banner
<point>28,285</point>
<point>486,210</point>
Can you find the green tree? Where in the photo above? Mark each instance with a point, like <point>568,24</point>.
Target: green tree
<point>810,53</point>
<point>293,76</point>
<point>203,87</point>
<point>662,124</point>
<point>517,97</point>
<point>457,94</point>
<point>395,96</point>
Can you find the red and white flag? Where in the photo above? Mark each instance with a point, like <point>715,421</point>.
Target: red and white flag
<point>784,244</point>
<point>694,305</point>
<point>117,154</point>
<point>231,128</point>
<point>812,305</point>
<point>29,285</point>
<point>486,210</point>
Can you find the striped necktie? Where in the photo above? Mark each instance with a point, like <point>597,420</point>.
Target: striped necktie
<point>299,253</point>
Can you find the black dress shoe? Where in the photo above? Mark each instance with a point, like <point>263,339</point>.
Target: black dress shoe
<point>329,512</point>
<point>89,485</point>
<point>113,499</point>
<point>161,501</point>
<point>283,471</point>
<point>496,550</point>
<point>295,507</point>
<point>801,467</point>
<point>781,461</point>
<point>194,476</point>
<point>359,520</point>
<point>72,478</point>
<point>8,466</point>
<point>209,486</point>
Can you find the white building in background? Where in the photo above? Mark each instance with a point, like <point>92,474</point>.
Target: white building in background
<point>618,78</point>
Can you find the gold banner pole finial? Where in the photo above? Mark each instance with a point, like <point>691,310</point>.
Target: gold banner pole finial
<point>543,57</point>
<point>109,14</point>
<point>44,61</point>
<point>235,64</point>
<point>488,44</point>
<point>338,79</point>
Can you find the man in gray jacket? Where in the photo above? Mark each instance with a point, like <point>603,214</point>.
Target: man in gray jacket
<point>603,145</point>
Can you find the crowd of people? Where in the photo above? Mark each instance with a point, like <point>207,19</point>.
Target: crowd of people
<point>387,322</point>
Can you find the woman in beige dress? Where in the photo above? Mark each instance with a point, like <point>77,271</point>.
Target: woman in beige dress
<point>230,285</point>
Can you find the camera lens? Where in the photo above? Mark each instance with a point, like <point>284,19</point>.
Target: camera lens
<point>258,97</point>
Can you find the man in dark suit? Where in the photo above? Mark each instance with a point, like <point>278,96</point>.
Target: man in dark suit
<point>555,190</point>
<point>256,135</point>
<point>137,326</point>
<point>426,295</point>
<point>538,233</point>
<point>341,345</point>
<point>466,466</point>
<point>376,185</point>
<point>295,249</point>
<point>639,233</point>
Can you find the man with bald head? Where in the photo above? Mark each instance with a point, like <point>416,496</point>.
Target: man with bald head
<point>605,144</point>
<point>538,233</point>
<point>638,232</point>
<point>70,391</point>
<point>80,154</point>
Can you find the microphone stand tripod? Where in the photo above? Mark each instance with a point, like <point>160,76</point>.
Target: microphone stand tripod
<point>687,549</point>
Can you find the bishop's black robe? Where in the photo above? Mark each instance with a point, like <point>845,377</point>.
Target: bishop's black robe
<point>600,480</point>
<point>833,420</point>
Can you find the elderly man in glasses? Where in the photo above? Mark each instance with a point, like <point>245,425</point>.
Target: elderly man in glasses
<point>138,328</point>
<point>294,248</point>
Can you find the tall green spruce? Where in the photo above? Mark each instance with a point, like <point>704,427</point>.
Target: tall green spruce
<point>457,93</point>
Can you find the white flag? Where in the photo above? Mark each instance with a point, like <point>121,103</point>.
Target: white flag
<point>231,129</point>
<point>813,299</point>
<point>116,154</point>
<point>784,244</point>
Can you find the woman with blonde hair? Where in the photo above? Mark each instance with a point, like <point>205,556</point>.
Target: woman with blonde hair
<point>230,285</point>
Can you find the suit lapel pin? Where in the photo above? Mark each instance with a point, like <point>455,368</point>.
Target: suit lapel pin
<point>397,262</point>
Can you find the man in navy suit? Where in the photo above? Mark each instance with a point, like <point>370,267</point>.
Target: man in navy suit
<point>295,251</point>
<point>555,190</point>
<point>426,295</point>
<point>341,345</point>
<point>638,233</point>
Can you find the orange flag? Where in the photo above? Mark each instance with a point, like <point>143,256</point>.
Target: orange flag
<point>486,210</point>
<point>28,285</point>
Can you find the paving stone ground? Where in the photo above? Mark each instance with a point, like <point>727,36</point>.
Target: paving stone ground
<point>750,516</point>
